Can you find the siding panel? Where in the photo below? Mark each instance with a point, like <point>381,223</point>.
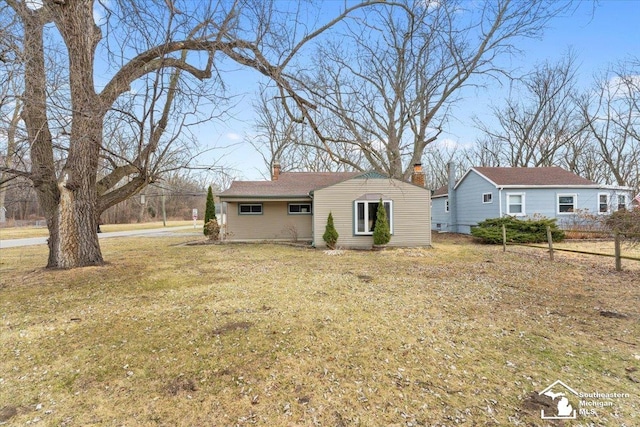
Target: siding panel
<point>538,202</point>
<point>438,214</point>
<point>411,212</point>
<point>544,201</point>
<point>471,209</point>
<point>273,224</point>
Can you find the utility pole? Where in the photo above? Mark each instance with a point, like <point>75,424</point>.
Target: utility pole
<point>143,202</point>
<point>164,212</point>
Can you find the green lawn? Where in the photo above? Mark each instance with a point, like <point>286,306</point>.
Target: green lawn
<point>225,335</point>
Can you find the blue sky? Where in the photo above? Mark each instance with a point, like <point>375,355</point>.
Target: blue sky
<point>599,38</point>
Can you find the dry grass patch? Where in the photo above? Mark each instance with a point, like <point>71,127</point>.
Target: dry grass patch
<point>26,232</point>
<point>275,335</point>
<point>604,246</point>
<point>597,246</point>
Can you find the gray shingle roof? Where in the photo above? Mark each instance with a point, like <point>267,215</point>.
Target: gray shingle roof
<point>533,176</point>
<point>442,191</point>
<point>525,177</point>
<point>289,184</point>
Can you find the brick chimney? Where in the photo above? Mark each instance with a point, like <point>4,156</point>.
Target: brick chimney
<point>276,171</point>
<point>417,177</point>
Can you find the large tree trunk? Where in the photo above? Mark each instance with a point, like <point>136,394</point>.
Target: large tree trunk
<point>78,243</point>
<point>70,201</point>
<point>35,118</point>
<point>78,239</point>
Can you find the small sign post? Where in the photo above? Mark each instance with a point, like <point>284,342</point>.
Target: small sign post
<point>195,217</point>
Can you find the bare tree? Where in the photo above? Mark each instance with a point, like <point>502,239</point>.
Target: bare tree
<point>280,138</point>
<point>539,122</point>
<point>137,39</point>
<point>436,161</point>
<point>11,147</point>
<point>487,152</point>
<point>612,113</point>
<point>581,157</point>
<point>147,134</point>
<point>387,90</point>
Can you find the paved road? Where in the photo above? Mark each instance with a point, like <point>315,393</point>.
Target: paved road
<point>14,243</point>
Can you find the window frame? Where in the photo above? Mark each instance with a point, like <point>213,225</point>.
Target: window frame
<point>251,205</point>
<point>574,203</point>
<point>484,198</point>
<point>366,204</point>
<point>624,202</point>
<point>309,212</point>
<point>607,204</point>
<point>522,204</point>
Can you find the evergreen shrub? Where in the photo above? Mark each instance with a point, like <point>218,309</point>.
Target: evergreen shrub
<point>518,231</point>
<point>330,235</point>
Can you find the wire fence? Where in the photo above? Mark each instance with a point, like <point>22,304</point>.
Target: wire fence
<point>552,246</point>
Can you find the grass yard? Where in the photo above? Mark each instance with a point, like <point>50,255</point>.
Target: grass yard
<point>226,335</point>
<point>604,247</point>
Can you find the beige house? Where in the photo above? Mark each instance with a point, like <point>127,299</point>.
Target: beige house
<point>295,206</point>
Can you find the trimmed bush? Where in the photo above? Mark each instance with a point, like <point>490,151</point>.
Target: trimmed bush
<point>381,232</point>
<point>212,229</point>
<point>209,211</point>
<point>518,231</point>
<point>330,235</point>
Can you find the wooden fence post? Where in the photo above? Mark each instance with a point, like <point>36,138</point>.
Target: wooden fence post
<point>504,238</point>
<point>550,240</point>
<point>618,251</point>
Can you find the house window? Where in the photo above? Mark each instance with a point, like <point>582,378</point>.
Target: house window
<point>515,204</point>
<point>250,209</point>
<point>366,213</point>
<point>299,208</point>
<point>487,198</point>
<point>446,205</point>
<point>603,203</point>
<point>567,203</point>
<point>622,202</point>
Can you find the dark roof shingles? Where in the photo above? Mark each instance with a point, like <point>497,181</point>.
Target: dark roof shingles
<point>442,191</point>
<point>532,176</point>
<point>289,184</point>
<point>506,176</point>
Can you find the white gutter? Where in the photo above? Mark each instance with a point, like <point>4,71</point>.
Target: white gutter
<point>500,200</point>
<point>520,186</point>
